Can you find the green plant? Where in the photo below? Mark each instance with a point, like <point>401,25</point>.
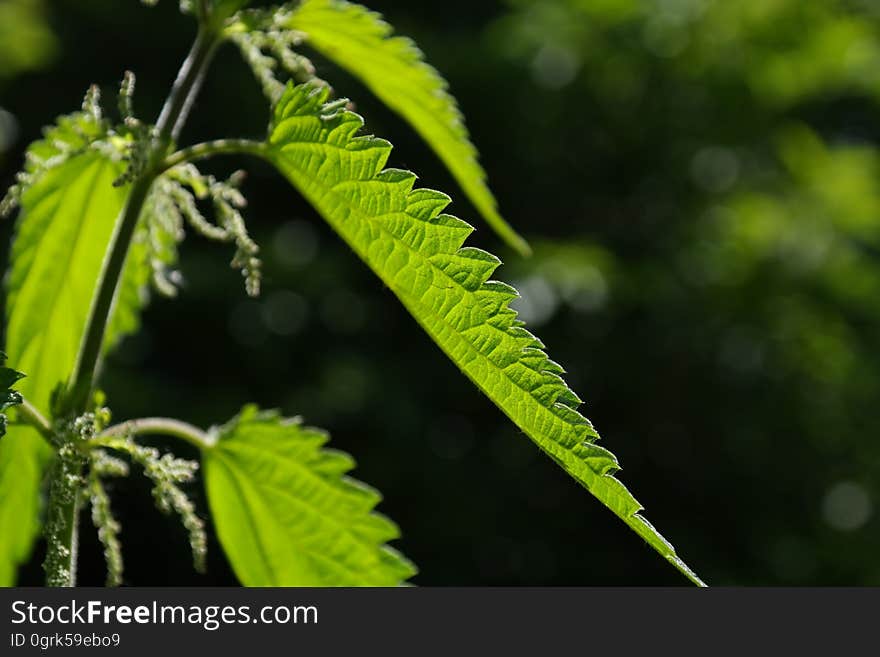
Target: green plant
<point>103,206</point>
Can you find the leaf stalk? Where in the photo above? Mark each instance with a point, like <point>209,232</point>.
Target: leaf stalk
<point>158,425</point>
<point>212,148</point>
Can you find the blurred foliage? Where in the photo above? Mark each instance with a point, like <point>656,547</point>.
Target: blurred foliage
<point>26,44</point>
<point>708,274</point>
<point>750,129</point>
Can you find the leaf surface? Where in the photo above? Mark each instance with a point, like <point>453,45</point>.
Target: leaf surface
<point>287,514</point>
<point>419,253</point>
<point>63,228</point>
<point>394,69</point>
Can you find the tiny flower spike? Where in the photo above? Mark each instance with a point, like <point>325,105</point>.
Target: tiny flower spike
<point>267,47</point>
<point>166,472</point>
<point>136,137</point>
<point>102,515</point>
<point>72,136</point>
<point>175,200</point>
<point>81,132</point>
<point>108,531</point>
<point>126,98</point>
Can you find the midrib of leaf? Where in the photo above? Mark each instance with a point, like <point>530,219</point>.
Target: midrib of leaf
<point>545,412</point>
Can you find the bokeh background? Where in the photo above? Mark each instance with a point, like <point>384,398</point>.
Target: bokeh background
<point>701,181</point>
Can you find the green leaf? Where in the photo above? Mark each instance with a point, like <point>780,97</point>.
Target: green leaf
<point>68,210</point>
<point>394,69</point>
<point>287,515</point>
<point>66,221</point>
<point>20,475</point>
<point>417,251</point>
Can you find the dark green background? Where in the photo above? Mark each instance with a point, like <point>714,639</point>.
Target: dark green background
<point>700,180</point>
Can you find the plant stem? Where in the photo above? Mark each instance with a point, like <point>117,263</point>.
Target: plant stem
<point>212,148</point>
<point>158,425</point>
<point>168,126</point>
<point>187,85</point>
<point>62,524</point>
<point>62,528</point>
<point>87,360</point>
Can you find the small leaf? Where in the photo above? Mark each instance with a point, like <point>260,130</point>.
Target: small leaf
<point>287,515</point>
<point>418,252</point>
<point>394,69</point>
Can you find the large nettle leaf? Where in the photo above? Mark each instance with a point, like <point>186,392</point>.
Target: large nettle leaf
<point>401,233</point>
<point>68,213</point>
<point>287,515</point>
<point>394,69</point>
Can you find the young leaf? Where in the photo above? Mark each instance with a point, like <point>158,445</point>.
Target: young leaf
<point>287,515</point>
<point>417,251</point>
<point>394,69</point>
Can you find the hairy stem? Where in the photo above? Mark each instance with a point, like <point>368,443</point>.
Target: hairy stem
<point>62,523</point>
<point>161,426</point>
<point>212,148</point>
<point>170,122</point>
<point>186,86</point>
<point>62,527</point>
<point>93,339</point>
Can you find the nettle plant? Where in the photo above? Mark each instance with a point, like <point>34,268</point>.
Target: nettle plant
<point>103,206</point>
